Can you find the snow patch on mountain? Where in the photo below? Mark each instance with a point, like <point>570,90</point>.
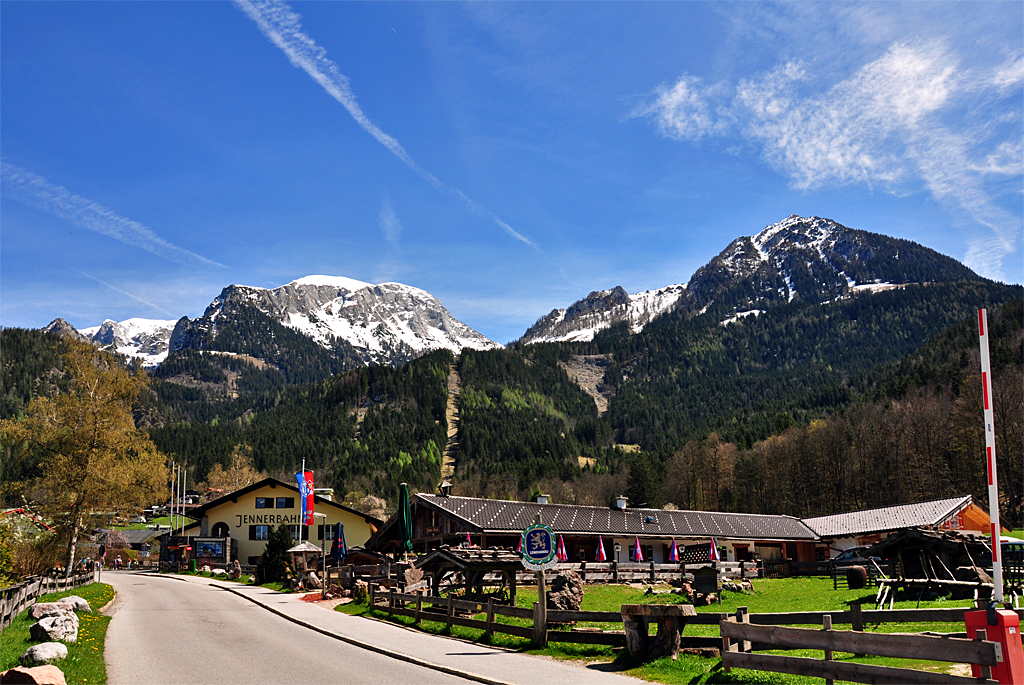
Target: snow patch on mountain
<point>582,320</point>
<point>385,323</point>
<point>144,339</point>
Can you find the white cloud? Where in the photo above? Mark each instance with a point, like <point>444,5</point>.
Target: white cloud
<point>912,117</point>
<point>36,191</point>
<point>388,221</point>
<point>281,26</point>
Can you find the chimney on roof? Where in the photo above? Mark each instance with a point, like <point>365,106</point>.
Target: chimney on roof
<point>445,488</point>
<point>543,499</point>
<point>620,502</point>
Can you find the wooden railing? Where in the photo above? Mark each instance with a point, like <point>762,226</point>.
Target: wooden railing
<point>17,598</point>
<point>740,636</point>
<point>622,572</point>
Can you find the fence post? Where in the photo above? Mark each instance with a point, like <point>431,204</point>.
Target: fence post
<point>540,624</point>
<point>615,571</point>
<point>450,612</point>
<point>827,625</point>
<point>419,607</point>
<point>373,595</point>
<point>986,671</point>
<point>391,601</point>
<point>726,645</point>
<point>743,616</point>
<point>652,571</point>
<point>490,618</point>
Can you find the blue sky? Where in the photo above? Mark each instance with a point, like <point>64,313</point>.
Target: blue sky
<point>507,157</point>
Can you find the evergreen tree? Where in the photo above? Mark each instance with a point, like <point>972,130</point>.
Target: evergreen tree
<point>274,563</point>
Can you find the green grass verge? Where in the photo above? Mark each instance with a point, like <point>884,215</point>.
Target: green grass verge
<point>84,663</point>
<point>769,596</point>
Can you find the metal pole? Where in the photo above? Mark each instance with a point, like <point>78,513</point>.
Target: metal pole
<point>174,477</point>
<point>990,453</point>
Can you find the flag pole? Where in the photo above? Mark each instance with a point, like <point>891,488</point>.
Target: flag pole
<point>990,453</point>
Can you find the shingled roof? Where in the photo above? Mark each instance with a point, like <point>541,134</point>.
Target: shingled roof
<point>503,516</point>
<point>885,519</point>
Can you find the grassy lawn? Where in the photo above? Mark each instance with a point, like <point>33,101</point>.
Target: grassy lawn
<point>769,596</point>
<point>84,663</point>
<point>164,521</point>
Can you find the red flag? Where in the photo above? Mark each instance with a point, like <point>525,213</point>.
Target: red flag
<point>673,554</point>
<point>713,553</point>
<point>638,554</point>
<point>305,480</point>
<point>600,555</point>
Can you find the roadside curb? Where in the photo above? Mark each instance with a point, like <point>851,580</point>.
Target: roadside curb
<point>370,647</point>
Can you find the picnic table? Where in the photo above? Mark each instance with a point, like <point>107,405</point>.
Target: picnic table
<point>671,619</point>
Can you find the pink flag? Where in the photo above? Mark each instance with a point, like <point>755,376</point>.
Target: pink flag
<point>600,555</point>
<point>673,554</point>
<point>562,555</point>
<point>713,554</point>
<point>519,548</point>
<point>468,541</point>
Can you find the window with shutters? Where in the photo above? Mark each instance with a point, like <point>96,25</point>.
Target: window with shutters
<point>285,502</point>
<point>264,502</point>
<point>295,530</point>
<point>259,532</point>
<point>331,529</point>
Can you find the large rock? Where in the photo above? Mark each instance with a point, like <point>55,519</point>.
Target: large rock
<point>75,601</point>
<point>359,590</point>
<point>45,609</point>
<point>62,627</point>
<point>235,570</point>
<point>34,675</point>
<point>312,580</point>
<point>44,653</point>
<point>566,593</point>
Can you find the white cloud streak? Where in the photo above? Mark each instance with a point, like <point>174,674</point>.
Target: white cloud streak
<point>35,191</point>
<point>388,222</point>
<point>128,294</point>
<point>282,27</point>
<point>912,116</point>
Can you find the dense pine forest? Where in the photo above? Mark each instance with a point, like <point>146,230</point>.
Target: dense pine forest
<point>803,409</point>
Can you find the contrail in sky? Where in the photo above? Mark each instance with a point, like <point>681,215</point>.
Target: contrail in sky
<point>281,26</point>
<point>36,191</point>
<point>128,294</point>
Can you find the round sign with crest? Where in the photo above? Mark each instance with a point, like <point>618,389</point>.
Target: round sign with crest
<point>540,551</point>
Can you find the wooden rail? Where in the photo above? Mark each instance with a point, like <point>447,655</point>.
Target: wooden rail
<point>17,598</point>
<point>740,636</point>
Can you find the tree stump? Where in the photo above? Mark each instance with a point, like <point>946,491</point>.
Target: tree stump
<point>671,620</point>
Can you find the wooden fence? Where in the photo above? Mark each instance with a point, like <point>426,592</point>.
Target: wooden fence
<point>17,598</point>
<point>740,637</point>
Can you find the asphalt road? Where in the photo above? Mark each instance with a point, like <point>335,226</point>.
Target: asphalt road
<point>164,630</point>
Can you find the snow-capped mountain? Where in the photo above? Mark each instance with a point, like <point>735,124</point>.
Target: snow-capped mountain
<point>599,310</point>
<point>811,259</point>
<point>384,323</point>
<point>142,339</point>
<point>815,260</point>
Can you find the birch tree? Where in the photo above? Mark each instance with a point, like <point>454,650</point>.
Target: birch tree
<point>93,460</point>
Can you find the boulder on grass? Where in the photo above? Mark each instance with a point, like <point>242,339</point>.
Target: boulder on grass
<point>566,593</point>
<point>312,580</point>
<point>206,569</point>
<point>33,675</point>
<point>62,628</point>
<point>219,572</point>
<point>44,653</point>
<point>359,590</point>
<point>78,603</point>
<point>235,570</point>
<point>46,609</point>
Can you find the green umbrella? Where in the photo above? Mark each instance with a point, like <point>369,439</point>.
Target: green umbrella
<point>404,519</point>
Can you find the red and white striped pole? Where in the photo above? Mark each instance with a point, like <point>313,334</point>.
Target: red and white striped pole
<point>990,453</point>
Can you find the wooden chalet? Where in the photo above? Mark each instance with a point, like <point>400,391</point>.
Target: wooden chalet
<point>443,519</point>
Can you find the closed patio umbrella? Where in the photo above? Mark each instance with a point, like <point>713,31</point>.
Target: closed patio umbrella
<point>404,519</point>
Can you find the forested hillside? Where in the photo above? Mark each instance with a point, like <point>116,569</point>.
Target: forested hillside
<point>684,377</point>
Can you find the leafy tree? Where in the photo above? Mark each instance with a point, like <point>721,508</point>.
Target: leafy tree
<point>239,474</point>
<point>92,457</point>
<point>6,554</point>
<point>273,563</point>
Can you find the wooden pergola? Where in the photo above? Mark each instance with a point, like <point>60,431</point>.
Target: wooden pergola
<point>474,564</point>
